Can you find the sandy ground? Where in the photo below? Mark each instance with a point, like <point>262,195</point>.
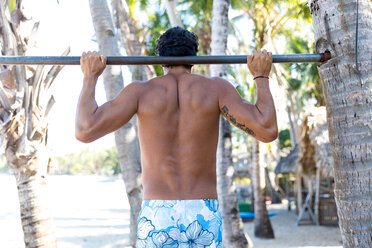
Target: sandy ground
<point>287,234</point>
<point>92,212</point>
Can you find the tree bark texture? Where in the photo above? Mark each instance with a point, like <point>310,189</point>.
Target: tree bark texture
<point>126,138</point>
<point>348,99</point>
<point>36,217</point>
<point>275,198</point>
<point>172,13</point>
<point>30,172</point>
<point>123,21</point>
<point>292,130</point>
<point>233,234</point>
<point>262,224</point>
<point>219,34</point>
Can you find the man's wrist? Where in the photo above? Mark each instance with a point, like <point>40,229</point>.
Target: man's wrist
<point>90,78</point>
<point>262,82</point>
<point>260,76</point>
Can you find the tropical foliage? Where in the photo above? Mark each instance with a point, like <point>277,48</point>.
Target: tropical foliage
<point>105,162</point>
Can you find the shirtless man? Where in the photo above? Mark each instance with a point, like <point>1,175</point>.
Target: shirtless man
<point>178,121</point>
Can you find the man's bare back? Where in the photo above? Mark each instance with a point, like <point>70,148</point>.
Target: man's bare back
<point>178,119</point>
<point>178,126</point>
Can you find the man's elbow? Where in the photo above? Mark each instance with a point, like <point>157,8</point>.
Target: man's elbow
<point>271,137</point>
<point>82,136</point>
<point>271,134</point>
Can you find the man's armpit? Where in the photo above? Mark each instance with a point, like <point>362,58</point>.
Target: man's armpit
<point>232,119</point>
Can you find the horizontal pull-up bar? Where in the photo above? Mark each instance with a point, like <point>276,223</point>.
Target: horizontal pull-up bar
<point>160,60</point>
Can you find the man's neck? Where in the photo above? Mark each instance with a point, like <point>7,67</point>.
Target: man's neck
<point>176,70</point>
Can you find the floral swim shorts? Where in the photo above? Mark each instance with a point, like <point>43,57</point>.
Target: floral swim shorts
<point>179,223</point>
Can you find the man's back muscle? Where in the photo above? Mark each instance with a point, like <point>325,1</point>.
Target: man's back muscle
<point>178,123</point>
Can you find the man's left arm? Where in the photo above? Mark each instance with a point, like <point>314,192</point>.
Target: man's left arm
<point>259,119</point>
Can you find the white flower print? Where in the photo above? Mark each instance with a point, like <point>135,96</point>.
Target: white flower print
<point>157,240</point>
<point>175,233</point>
<point>145,243</point>
<point>195,236</point>
<point>144,228</point>
<point>162,239</point>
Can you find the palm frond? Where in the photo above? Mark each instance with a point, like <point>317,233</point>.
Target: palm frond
<point>4,100</point>
<point>53,72</point>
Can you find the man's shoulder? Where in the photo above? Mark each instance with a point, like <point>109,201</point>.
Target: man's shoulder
<point>221,83</point>
<point>135,87</point>
<point>140,84</point>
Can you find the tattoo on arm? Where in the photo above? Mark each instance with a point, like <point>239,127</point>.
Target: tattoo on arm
<point>225,112</point>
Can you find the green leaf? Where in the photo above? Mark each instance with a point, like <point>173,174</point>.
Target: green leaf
<point>252,92</point>
<point>294,84</point>
<point>131,5</point>
<point>284,138</point>
<point>12,5</point>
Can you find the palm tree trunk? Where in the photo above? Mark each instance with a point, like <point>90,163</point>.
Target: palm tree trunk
<point>123,21</point>
<point>275,198</point>
<point>126,137</point>
<point>233,234</point>
<point>172,13</point>
<point>262,224</point>
<point>291,128</point>
<point>37,222</point>
<point>347,87</point>
<point>30,173</point>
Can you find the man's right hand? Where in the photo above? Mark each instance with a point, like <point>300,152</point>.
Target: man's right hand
<point>92,64</point>
<point>259,63</point>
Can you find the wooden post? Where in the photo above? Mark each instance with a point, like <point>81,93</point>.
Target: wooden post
<point>299,192</point>
<point>317,194</point>
<point>287,191</point>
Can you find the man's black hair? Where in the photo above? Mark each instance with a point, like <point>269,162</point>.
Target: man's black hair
<point>177,41</point>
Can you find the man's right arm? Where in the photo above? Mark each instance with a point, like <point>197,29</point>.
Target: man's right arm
<point>93,121</point>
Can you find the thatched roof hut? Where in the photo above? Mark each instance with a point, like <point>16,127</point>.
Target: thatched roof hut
<point>289,163</point>
<point>316,162</point>
<point>315,150</point>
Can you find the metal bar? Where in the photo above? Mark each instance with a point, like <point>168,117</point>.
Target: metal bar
<point>158,60</point>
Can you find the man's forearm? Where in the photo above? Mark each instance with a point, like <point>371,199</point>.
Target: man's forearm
<point>87,105</point>
<point>265,103</point>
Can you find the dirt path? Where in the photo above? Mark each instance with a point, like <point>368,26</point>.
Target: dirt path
<point>287,234</point>
<point>92,212</point>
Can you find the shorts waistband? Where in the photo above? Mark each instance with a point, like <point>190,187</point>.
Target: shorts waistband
<point>183,200</point>
<point>170,203</point>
